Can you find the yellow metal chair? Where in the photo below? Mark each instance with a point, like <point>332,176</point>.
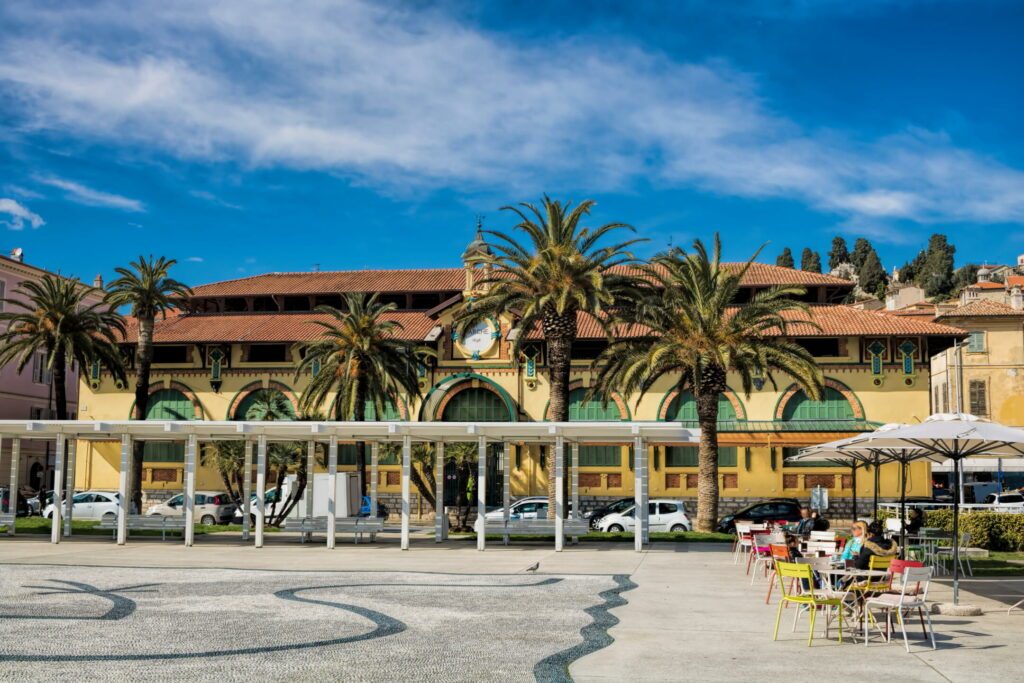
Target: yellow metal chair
<point>809,598</point>
<point>875,563</point>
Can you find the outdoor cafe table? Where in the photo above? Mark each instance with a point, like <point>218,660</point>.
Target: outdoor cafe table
<point>929,545</point>
<point>845,573</point>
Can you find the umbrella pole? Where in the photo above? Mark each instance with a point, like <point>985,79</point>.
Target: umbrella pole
<point>903,508</point>
<point>956,533</point>
<point>853,472</point>
<point>878,481</point>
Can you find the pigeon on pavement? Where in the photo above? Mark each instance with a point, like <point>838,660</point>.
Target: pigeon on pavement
<point>534,568</point>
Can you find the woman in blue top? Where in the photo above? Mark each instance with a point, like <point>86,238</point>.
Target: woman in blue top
<point>858,532</point>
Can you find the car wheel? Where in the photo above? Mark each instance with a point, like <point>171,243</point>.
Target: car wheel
<point>208,520</point>
<point>615,529</point>
<point>109,517</point>
<point>679,527</point>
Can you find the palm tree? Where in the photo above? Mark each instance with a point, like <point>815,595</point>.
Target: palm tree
<point>148,290</point>
<point>57,320</point>
<point>699,333</point>
<point>228,458</point>
<point>269,405</point>
<point>563,273</point>
<point>362,361</point>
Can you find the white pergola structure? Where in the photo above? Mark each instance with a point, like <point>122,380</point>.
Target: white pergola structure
<point>256,435</point>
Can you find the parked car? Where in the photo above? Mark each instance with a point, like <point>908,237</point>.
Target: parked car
<point>22,509</point>
<point>941,495</point>
<point>775,509</point>
<point>533,507</point>
<point>268,499</point>
<point>595,516</point>
<point>211,507</point>
<point>663,514</point>
<point>33,503</point>
<point>89,505</point>
<point>1011,500</point>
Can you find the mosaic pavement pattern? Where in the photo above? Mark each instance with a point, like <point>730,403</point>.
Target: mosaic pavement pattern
<point>88,623</point>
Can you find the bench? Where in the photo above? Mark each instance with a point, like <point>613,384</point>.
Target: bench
<point>148,522</point>
<point>357,526</point>
<point>535,527</point>
<point>7,520</point>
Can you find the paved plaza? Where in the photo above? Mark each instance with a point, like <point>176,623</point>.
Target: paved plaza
<point>88,609</point>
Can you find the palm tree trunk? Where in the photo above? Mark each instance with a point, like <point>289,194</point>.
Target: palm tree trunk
<point>559,364</point>
<point>60,389</point>
<point>426,489</point>
<point>707,461</point>
<point>360,416</point>
<point>143,363</point>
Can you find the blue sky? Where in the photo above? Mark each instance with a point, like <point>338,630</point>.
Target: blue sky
<point>246,136</point>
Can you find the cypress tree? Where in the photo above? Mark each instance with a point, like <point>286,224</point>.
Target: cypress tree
<point>871,275</point>
<point>785,259</point>
<point>861,249</point>
<point>936,276</point>
<point>838,254</point>
<point>810,261</point>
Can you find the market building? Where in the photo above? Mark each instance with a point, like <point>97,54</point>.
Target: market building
<point>240,336</point>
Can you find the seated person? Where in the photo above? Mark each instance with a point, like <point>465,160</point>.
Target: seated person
<point>806,523</point>
<point>858,532</point>
<point>876,544</point>
<point>915,520</point>
<point>820,523</point>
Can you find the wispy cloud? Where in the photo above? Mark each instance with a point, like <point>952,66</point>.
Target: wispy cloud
<point>213,199</point>
<point>17,215</point>
<point>22,192</point>
<point>400,97</point>
<point>195,259</point>
<point>82,194</point>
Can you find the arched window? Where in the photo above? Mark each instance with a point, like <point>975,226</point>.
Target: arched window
<point>476,404</point>
<point>683,408</point>
<point>167,404</point>
<point>832,406</point>
<point>582,410</point>
<point>347,453</point>
<point>256,404</point>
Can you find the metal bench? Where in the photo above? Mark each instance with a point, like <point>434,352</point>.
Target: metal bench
<point>150,522</point>
<point>357,526</point>
<point>7,520</point>
<point>535,527</point>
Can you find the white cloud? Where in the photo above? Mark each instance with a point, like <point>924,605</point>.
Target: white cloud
<point>17,215</point>
<point>195,259</point>
<point>403,98</point>
<point>81,194</point>
<point>213,199</point>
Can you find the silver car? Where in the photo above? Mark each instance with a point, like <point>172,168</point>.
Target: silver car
<point>211,507</point>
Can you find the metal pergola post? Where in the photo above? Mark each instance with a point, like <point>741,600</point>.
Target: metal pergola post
<point>124,486</point>
<point>574,486</point>
<point>481,491</point>
<point>310,479</point>
<point>261,486</point>
<point>374,478</point>
<point>58,483</point>
<point>639,493</point>
<point>190,490</point>
<point>247,492</point>
<point>406,475</point>
<point>15,470</point>
<point>332,490</point>
<point>69,494</point>
<point>506,491</point>
<point>440,523</point>
<point>559,493</point>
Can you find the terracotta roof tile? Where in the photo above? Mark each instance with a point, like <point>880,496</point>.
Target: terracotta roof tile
<point>262,327</point>
<point>1015,281</point>
<point>443,279</point>
<point>333,282</point>
<point>982,308</point>
<point>987,285</point>
<point>833,320</point>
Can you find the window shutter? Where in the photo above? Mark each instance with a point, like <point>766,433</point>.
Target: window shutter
<point>978,398</point>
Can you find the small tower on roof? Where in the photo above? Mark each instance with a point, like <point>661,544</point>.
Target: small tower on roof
<point>477,255</point>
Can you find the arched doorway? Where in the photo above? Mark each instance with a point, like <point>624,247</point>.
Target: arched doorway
<point>167,404</point>
<point>474,404</point>
<point>683,408</point>
<point>582,410</point>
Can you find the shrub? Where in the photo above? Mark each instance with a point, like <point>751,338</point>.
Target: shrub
<point>990,530</point>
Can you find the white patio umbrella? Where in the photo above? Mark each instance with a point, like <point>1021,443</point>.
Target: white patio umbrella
<point>853,450</point>
<point>950,436</point>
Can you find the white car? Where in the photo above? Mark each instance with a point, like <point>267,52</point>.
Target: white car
<point>663,515</point>
<point>89,505</point>
<point>211,507</point>
<point>534,507</point>
<point>1006,501</point>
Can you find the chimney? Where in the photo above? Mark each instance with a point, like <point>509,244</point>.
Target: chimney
<point>98,282</point>
<point>18,254</point>
<point>1017,298</point>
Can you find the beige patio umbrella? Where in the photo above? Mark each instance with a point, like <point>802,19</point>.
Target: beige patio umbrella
<point>949,436</point>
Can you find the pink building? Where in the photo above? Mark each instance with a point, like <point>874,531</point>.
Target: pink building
<point>29,394</point>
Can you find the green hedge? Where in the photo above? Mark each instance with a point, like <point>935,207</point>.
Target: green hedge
<point>990,530</point>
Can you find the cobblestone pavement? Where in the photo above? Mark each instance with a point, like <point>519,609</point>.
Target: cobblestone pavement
<point>88,623</point>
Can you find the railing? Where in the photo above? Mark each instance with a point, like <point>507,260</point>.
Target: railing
<point>1016,508</point>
